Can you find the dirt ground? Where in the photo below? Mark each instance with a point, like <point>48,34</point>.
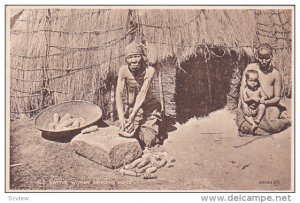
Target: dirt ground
<point>210,156</point>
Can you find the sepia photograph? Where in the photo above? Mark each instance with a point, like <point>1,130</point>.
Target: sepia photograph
<point>149,98</point>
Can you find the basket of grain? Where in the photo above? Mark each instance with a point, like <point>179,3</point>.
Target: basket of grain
<point>64,120</point>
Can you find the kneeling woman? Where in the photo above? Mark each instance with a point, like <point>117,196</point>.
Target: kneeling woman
<point>142,117</point>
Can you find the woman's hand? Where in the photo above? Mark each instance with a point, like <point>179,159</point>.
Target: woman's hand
<point>255,99</point>
<point>122,121</point>
<point>262,100</point>
<point>130,124</point>
<point>129,127</point>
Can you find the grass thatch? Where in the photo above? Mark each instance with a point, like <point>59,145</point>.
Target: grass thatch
<point>64,54</point>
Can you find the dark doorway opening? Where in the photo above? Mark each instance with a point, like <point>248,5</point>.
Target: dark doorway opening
<point>202,87</point>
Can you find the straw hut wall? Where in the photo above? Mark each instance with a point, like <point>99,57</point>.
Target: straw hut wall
<point>69,54</point>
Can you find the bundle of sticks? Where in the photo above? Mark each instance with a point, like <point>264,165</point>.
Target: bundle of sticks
<point>147,165</point>
<point>66,122</point>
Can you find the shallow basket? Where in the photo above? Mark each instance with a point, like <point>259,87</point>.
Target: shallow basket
<point>90,112</point>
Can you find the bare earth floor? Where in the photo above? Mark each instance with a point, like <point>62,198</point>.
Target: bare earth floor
<point>210,156</point>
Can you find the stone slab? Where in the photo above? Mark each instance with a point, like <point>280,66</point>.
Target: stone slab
<point>106,147</point>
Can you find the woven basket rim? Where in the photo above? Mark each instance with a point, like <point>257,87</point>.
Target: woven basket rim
<point>66,102</point>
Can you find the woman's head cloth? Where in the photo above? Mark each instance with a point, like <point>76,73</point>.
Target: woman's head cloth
<point>265,46</point>
<point>134,48</point>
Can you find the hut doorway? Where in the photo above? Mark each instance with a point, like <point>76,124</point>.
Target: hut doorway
<point>202,87</point>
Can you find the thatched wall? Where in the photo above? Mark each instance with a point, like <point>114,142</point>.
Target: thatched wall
<point>274,27</point>
<point>59,55</point>
<point>64,54</point>
<point>181,32</point>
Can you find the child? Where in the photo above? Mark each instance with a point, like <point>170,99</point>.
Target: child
<point>254,97</point>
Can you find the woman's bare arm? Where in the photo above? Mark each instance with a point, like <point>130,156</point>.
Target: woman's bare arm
<point>277,90</point>
<point>119,91</point>
<point>143,92</point>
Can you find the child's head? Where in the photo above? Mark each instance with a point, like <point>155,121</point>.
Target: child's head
<point>252,78</point>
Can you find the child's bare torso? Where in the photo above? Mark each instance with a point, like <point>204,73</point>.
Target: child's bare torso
<point>253,94</point>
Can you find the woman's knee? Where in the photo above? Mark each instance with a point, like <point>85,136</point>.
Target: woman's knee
<point>276,124</point>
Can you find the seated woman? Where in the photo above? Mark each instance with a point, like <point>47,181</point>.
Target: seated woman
<point>275,118</point>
